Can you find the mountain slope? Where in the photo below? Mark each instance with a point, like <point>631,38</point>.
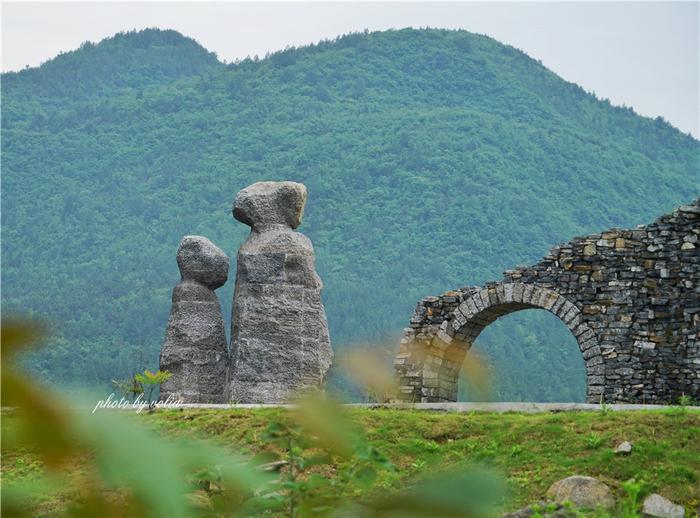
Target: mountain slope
<point>128,61</point>
<point>434,159</point>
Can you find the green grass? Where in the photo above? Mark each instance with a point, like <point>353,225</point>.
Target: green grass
<point>530,450</point>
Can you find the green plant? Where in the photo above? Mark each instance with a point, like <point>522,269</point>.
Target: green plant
<point>419,464</point>
<point>629,506</point>
<point>681,409</point>
<point>129,387</point>
<point>593,440</point>
<point>152,380</point>
<point>605,408</point>
<point>317,434</point>
<point>685,400</point>
<point>426,446</point>
<point>676,410</point>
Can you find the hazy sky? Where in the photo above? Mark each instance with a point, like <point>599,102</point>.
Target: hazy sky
<point>644,55</point>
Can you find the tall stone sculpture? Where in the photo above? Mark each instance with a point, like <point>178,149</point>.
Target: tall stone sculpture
<point>279,336</point>
<point>195,349</point>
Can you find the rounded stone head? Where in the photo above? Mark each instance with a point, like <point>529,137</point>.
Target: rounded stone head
<point>202,261</point>
<point>270,203</point>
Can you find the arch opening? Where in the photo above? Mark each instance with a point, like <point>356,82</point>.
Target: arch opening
<point>481,308</point>
<point>526,355</point>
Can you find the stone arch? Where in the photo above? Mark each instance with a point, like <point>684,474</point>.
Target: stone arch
<point>631,297</point>
<point>432,364</point>
<point>482,308</point>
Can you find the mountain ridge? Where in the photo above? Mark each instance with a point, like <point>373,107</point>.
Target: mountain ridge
<point>165,55</point>
<point>152,38</point>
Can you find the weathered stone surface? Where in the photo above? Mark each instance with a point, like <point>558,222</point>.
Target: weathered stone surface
<point>202,261</point>
<point>624,448</point>
<point>270,203</point>
<point>195,349</point>
<point>279,336</point>
<point>582,492</point>
<point>631,298</point>
<point>660,507</point>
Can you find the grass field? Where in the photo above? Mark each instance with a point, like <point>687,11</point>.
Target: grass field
<point>530,450</point>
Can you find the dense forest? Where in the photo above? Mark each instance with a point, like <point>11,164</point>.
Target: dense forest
<point>434,159</point>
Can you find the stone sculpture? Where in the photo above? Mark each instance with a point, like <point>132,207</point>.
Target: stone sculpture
<point>195,349</point>
<point>279,335</point>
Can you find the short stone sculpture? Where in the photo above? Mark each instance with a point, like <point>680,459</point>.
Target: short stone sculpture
<point>195,349</point>
<point>279,336</point>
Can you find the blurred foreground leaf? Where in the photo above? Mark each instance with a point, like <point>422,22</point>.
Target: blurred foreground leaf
<point>18,334</point>
<point>130,471</point>
<point>327,423</point>
<point>125,469</point>
<point>477,373</point>
<point>461,493</point>
<point>45,425</point>
<point>371,370</point>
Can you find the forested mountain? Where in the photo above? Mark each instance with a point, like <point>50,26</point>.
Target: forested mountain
<point>126,63</point>
<point>434,159</point>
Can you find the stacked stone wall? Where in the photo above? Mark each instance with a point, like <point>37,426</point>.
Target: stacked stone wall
<point>630,297</point>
